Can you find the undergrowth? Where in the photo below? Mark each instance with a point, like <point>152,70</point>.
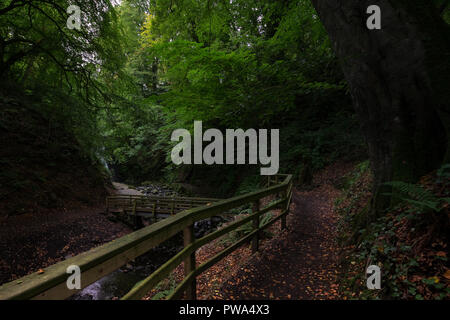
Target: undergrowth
<point>408,242</point>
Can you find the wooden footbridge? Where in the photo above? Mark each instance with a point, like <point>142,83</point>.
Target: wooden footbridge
<point>183,213</point>
<point>132,208</point>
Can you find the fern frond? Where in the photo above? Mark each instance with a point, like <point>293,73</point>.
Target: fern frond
<point>412,191</point>
<point>415,195</point>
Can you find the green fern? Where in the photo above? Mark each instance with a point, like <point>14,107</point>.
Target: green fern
<point>248,227</point>
<point>412,191</point>
<point>443,172</point>
<point>165,289</point>
<point>415,195</point>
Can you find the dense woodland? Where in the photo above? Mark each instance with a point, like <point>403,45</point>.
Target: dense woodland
<point>81,108</point>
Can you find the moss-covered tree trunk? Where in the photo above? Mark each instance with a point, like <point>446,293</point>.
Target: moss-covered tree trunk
<point>399,79</point>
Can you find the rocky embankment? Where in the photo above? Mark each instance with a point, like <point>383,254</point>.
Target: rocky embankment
<point>158,190</point>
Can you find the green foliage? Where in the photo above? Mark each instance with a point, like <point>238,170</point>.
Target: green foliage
<point>68,74</point>
<point>257,64</point>
<point>353,204</point>
<point>37,46</point>
<point>249,184</point>
<point>317,139</point>
<point>247,228</point>
<point>420,199</point>
<point>140,69</point>
<point>399,263</point>
<point>165,288</point>
<point>407,242</point>
<point>244,80</point>
<point>443,173</point>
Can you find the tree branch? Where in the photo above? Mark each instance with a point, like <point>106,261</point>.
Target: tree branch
<point>13,5</point>
<point>443,6</point>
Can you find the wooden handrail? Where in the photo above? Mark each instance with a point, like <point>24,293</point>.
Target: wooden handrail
<point>100,261</point>
<point>135,207</point>
<point>168,203</point>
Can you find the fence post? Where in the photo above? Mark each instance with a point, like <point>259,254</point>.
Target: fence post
<point>283,219</point>
<point>189,263</point>
<point>134,208</point>
<point>255,240</point>
<point>277,181</point>
<point>137,221</point>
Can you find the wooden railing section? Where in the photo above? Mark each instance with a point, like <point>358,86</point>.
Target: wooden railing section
<point>100,261</point>
<point>145,205</point>
<point>132,208</point>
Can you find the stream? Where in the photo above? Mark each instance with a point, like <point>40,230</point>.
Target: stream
<point>119,282</point>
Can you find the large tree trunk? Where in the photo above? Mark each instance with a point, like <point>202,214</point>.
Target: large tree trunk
<point>399,80</point>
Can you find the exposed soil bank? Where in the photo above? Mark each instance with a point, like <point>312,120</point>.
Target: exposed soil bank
<point>29,242</point>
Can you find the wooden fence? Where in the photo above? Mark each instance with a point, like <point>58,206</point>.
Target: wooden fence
<point>132,208</point>
<point>100,261</point>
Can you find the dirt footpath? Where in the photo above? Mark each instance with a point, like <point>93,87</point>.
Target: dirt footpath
<point>300,263</point>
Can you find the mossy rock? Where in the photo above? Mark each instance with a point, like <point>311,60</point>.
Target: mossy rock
<point>146,183</point>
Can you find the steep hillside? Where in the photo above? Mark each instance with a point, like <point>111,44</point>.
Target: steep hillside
<point>409,242</point>
<point>42,165</point>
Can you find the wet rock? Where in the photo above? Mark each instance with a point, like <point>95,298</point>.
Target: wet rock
<point>203,227</point>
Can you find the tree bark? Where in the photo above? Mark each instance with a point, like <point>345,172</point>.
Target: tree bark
<point>399,80</point>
